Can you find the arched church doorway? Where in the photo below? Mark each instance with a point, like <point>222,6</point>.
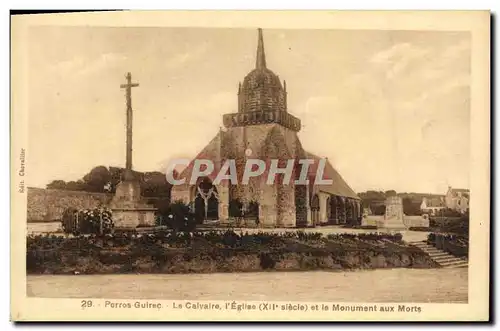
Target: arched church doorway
<point>315,209</point>
<point>206,202</point>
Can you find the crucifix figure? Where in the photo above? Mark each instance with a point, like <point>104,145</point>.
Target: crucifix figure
<point>128,94</point>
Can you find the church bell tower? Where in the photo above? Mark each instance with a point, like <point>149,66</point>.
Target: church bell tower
<point>262,99</point>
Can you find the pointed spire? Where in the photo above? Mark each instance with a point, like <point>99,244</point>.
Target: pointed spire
<point>261,55</point>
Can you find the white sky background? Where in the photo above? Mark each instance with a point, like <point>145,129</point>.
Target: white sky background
<point>389,109</point>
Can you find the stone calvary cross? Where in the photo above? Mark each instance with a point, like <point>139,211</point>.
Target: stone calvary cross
<point>128,95</point>
<point>129,209</point>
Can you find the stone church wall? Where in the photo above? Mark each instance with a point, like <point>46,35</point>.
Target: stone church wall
<point>286,206</point>
<point>301,206</point>
<point>182,193</point>
<point>267,206</point>
<point>323,208</point>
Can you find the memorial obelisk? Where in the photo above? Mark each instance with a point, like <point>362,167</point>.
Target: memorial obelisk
<point>129,209</point>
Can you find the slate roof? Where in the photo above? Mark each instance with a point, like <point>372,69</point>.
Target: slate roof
<point>339,186</point>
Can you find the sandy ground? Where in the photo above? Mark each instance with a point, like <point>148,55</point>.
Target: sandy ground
<point>382,285</point>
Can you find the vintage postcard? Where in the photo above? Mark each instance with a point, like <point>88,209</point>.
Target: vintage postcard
<point>243,166</point>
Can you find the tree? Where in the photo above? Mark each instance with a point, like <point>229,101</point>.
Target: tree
<point>97,178</point>
<point>154,184</point>
<point>57,185</point>
<point>411,208</point>
<point>115,175</point>
<point>378,210</point>
<point>79,185</point>
<point>390,193</point>
<point>102,179</point>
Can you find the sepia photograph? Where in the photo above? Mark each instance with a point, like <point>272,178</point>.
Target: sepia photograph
<point>254,170</point>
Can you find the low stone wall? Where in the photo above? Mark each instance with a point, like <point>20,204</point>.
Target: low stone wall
<point>44,227</point>
<point>408,221</point>
<point>372,220</point>
<point>49,205</point>
<point>416,221</point>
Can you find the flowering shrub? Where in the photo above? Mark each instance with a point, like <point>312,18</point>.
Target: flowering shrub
<point>87,221</point>
<point>94,219</point>
<point>366,236</point>
<point>309,236</point>
<point>228,239</point>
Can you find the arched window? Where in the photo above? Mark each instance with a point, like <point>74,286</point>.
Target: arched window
<point>206,203</point>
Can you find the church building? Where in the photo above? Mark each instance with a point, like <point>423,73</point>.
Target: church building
<point>264,129</point>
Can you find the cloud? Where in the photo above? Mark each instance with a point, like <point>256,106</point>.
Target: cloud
<point>68,66</point>
<point>388,54</point>
<point>445,86</point>
<point>181,59</point>
<point>396,59</point>
<point>103,62</point>
<point>319,103</point>
<point>223,100</point>
<point>457,50</point>
<point>80,66</point>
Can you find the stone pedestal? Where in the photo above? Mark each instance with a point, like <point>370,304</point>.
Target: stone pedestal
<point>393,218</point>
<point>129,210</point>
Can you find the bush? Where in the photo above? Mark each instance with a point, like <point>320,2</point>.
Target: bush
<point>235,208</point>
<point>456,245</point>
<point>365,236</point>
<point>87,221</point>
<point>357,226</point>
<point>457,225</point>
<point>418,228</point>
<point>69,220</point>
<point>177,216</point>
<point>90,221</point>
<point>252,210</point>
<point>309,236</point>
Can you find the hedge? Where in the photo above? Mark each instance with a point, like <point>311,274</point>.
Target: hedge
<point>456,245</point>
<point>217,251</point>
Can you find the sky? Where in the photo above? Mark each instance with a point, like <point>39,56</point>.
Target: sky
<point>390,109</point>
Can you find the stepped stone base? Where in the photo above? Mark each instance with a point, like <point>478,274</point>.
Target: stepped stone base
<point>132,218</point>
<point>129,210</point>
<point>391,223</point>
